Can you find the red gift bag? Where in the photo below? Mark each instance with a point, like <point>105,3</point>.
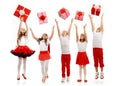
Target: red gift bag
<point>79,15</point>
<point>42,17</point>
<point>93,9</point>
<point>22,12</point>
<point>96,9</point>
<point>63,13</point>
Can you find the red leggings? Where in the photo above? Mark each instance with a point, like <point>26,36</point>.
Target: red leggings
<point>65,60</point>
<point>98,57</point>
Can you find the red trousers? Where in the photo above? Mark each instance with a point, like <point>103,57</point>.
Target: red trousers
<point>98,57</point>
<point>65,60</point>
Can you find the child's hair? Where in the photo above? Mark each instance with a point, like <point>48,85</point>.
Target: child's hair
<point>82,40</point>
<point>40,39</point>
<point>20,36</point>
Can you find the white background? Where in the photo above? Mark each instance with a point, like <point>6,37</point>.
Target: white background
<point>8,34</point>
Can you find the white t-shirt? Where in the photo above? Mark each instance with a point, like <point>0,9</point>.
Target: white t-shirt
<point>64,40</point>
<point>23,41</point>
<point>97,39</point>
<point>43,46</point>
<point>81,46</point>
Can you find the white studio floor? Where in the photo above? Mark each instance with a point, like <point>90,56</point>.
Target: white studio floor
<point>8,34</point>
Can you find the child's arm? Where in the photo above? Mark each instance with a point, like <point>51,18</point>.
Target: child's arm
<point>52,33</point>
<point>20,25</point>
<point>92,24</point>
<point>101,25</point>
<point>84,27</point>
<point>33,35</point>
<point>70,27</point>
<point>26,28</point>
<point>77,37</point>
<point>58,29</point>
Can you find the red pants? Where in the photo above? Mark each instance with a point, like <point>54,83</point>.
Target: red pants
<point>65,60</point>
<point>98,57</point>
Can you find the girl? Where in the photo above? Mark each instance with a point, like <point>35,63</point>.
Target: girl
<point>44,54</point>
<point>97,47</point>
<point>22,50</point>
<point>82,58</point>
<point>65,57</point>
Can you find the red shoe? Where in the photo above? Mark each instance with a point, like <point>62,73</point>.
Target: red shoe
<point>85,81</point>
<point>101,75</point>
<point>24,76</point>
<point>18,78</point>
<point>46,76</point>
<point>79,80</point>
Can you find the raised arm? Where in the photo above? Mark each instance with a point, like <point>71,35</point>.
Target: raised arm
<point>20,26</point>
<point>70,26</point>
<point>77,37</point>
<point>26,28</point>
<point>84,27</point>
<point>101,25</point>
<point>92,24</point>
<point>58,29</point>
<point>52,33</point>
<point>33,35</point>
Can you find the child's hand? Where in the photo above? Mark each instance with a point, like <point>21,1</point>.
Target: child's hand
<point>84,26</point>
<point>21,18</point>
<point>72,20</point>
<point>75,26</point>
<point>56,21</point>
<point>90,16</point>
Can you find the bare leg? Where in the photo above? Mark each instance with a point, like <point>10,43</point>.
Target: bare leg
<point>19,66</point>
<point>96,69</point>
<point>24,66</point>
<point>46,67</point>
<point>80,71</point>
<point>42,67</point>
<point>85,71</point>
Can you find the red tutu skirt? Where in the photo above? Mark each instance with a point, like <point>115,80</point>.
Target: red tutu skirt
<point>22,51</point>
<point>82,58</point>
<point>44,55</point>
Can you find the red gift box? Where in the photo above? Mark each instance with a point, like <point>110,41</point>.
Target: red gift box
<point>42,17</point>
<point>22,12</point>
<point>98,9</point>
<point>95,10</point>
<point>79,15</point>
<point>63,13</point>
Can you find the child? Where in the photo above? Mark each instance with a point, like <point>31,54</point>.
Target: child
<point>97,47</point>
<point>44,54</point>
<point>65,57</point>
<point>82,58</point>
<point>22,50</point>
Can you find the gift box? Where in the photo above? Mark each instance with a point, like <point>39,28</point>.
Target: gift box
<point>63,13</point>
<point>96,9</point>
<point>23,12</point>
<point>42,17</point>
<point>79,15</point>
<point>93,9</point>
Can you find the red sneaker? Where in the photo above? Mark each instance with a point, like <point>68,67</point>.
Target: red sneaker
<point>85,81</point>
<point>18,78</point>
<point>24,76</point>
<point>79,80</point>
